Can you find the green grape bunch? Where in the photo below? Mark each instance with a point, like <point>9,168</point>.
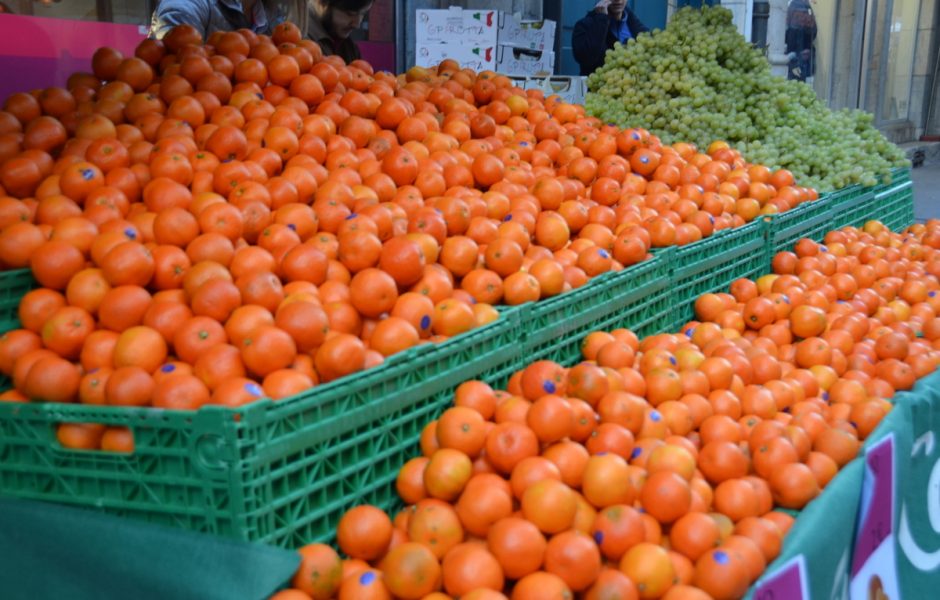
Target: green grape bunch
<point>699,80</point>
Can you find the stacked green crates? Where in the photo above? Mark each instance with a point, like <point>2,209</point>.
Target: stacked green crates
<point>898,176</point>
<point>638,298</point>
<point>808,220</point>
<point>279,472</point>
<point>711,264</point>
<point>892,203</point>
<point>852,206</point>
<point>895,206</point>
<point>284,472</point>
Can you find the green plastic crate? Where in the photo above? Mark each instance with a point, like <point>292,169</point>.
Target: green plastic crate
<point>898,175</point>
<point>277,472</point>
<point>285,472</point>
<point>13,286</point>
<point>637,298</point>
<point>711,264</point>
<point>852,206</point>
<point>553,329</point>
<point>808,220</point>
<point>896,206</point>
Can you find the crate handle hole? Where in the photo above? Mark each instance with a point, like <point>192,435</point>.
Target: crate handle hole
<point>94,437</point>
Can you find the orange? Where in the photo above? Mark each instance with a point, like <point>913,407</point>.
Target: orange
<point>721,574</point>
<point>468,567</point>
<point>574,557</point>
<point>364,532</point>
<point>649,567</point>
<point>435,524</point>
<point>320,571</point>
<point>550,505</point>
<point>616,529</point>
<point>665,496</point>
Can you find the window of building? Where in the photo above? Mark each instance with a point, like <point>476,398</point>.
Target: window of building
<point>891,28</point>
<point>825,43</point>
<point>901,36</point>
<point>865,56</point>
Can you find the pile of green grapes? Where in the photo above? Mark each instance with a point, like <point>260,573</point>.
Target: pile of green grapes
<point>699,80</point>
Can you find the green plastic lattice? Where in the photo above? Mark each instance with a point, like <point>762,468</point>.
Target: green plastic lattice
<point>278,472</point>
<point>637,298</point>
<point>711,264</point>
<point>808,220</point>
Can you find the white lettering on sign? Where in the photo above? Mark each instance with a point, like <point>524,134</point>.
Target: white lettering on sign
<point>924,440</point>
<point>840,585</point>
<point>920,558</point>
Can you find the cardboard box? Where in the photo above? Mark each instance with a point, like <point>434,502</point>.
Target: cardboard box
<point>455,25</point>
<point>471,56</point>
<point>571,89</point>
<point>519,61</point>
<point>535,35</point>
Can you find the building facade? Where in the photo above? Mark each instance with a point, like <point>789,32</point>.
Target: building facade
<point>877,55</point>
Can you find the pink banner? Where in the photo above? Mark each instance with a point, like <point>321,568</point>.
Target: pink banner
<point>379,54</point>
<point>48,38</point>
<point>37,52</point>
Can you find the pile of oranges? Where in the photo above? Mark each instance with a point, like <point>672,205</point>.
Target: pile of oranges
<point>246,218</point>
<point>655,468</point>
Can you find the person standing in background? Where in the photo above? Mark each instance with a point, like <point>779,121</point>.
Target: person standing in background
<point>608,23</point>
<point>801,40</point>
<point>209,16</point>
<point>331,22</point>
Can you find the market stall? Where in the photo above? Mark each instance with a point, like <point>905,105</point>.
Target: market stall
<point>445,332</point>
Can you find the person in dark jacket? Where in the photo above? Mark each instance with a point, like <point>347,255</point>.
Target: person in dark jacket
<point>331,22</point>
<point>209,16</point>
<point>801,40</point>
<point>610,22</point>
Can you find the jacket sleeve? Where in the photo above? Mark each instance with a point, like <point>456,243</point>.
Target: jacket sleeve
<point>170,13</point>
<point>634,23</point>
<point>589,39</point>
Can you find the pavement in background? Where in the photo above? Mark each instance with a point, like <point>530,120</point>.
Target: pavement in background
<point>926,191</point>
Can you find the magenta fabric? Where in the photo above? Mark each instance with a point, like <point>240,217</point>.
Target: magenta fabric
<point>38,52</point>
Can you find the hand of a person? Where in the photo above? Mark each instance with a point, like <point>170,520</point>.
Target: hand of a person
<point>601,6</point>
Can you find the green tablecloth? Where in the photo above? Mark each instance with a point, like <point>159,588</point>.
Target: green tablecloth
<point>910,552</point>
<point>816,555</point>
<point>52,551</point>
<point>878,522</point>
